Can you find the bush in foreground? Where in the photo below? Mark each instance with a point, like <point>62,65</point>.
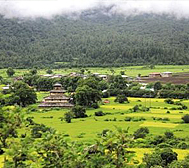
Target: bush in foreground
<point>79,112</point>
<point>121,99</point>
<point>68,116</point>
<point>99,113</point>
<point>185,118</point>
<point>160,157</point>
<point>141,132</point>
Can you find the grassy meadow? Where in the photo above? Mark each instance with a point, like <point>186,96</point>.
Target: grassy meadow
<point>86,129</point>
<point>132,71</point>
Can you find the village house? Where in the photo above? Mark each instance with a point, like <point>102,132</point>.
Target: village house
<point>54,76</point>
<point>155,75</point>
<point>57,98</point>
<point>6,87</point>
<point>124,76</point>
<point>47,75</point>
<point>106,101</point>
<point>96,74</point>
<point>58,76</point>
<point>75,74</point>
<point>144,87</point>
<point>18,78</point>
<point>104,77</point>
<point>166,74</point>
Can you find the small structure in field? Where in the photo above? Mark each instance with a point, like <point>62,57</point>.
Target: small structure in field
<point>96,74</point>
<point>104,77</point>
<point>6,87</point>
<point>18,78</point>
<point>106,101</point>
<point>155,75</point>
<point>56,98</point>
<point>143,86</point>
<point>166,74</point>
<point>54,75</point>
<point>47,75</point>
<point>124,76</point>
<point>75,74</point>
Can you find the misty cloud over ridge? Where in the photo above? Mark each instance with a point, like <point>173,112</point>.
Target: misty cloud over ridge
<point>49,8</point>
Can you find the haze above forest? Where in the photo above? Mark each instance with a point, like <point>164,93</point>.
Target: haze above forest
<point>49,8</point>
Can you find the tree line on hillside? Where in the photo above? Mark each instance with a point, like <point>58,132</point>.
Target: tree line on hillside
<point>94,39</point>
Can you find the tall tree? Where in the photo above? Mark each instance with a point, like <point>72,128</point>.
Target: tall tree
<point>25,95</point>
<point>86,96</point>
<point>10,72</point>
<point>10,120</point>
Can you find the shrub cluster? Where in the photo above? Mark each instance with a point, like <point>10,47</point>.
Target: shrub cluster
<point>139,108</point>
<point>161,119</point>
<point>185,118</point>
<point>99,113</point>
<point>134,119</point>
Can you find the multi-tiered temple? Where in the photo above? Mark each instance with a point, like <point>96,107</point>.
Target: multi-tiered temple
<point>56,98</point>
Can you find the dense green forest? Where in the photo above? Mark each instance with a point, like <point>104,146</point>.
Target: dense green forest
<point>95,38</point>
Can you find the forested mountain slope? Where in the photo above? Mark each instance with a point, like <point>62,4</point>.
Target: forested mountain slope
<point>95,38</point>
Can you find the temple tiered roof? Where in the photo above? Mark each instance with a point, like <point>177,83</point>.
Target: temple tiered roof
<point>56,98</point>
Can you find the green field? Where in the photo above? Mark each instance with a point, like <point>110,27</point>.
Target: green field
<point>87,129</point>
<point>1,161</point>
<point>140,153</point>
<point>92,125</point>
<point>129,70</point>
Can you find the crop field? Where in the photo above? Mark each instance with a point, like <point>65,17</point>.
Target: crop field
<point>140,153</point>
<point>88,128</point>
<point>178,78</point>
<point>1,161</point>
<point>160,118</point>
<point>132,71</point>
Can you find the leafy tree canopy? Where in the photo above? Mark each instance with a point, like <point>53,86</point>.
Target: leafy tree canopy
<point>22,94</point>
